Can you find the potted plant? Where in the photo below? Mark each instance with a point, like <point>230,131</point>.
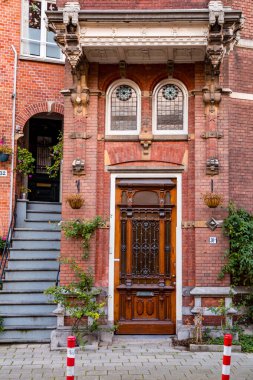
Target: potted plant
<point>25,161</point>
<point>24,192</point>
<point>5,152</point>
<point>75,201</point>
<point>212,200</point>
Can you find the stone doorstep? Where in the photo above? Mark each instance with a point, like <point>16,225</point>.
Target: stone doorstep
<point>212,348</point>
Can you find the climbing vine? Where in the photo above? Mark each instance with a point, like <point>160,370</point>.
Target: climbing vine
<point>57,155</point>
<point>25,161</point>
<point>84,229</point>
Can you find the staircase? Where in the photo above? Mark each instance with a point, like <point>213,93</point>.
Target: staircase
<point>32,268</point>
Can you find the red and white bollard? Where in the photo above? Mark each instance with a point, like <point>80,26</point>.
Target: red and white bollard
<point>71,344</point>
<point>226,357</point>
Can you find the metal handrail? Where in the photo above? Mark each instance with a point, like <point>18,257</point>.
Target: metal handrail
<point>6,251</point>
<point>58,276</point>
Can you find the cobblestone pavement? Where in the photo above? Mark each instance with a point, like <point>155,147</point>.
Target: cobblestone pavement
<point>121,361</point>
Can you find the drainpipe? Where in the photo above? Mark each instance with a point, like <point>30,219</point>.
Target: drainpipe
<point>13,127</point>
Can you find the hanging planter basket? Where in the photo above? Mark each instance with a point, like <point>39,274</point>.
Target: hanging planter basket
<point>4,157</point>
<point>75,201</point>
<point>212,200</point>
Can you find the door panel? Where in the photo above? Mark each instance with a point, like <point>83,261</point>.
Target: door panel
<point>145,254</point>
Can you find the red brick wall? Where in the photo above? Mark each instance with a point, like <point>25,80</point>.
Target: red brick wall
<point>37,83</point>
<point>240,79</point>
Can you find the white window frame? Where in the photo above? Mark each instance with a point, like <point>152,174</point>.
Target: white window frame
<point>185,108</point>
<point>109,92</point>
<point>43,39</point>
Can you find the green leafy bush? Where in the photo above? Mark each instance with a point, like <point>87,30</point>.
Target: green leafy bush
<point>2,242</point>
<point>238,226</point>
<point>1,324</point>
<point>79,299</point>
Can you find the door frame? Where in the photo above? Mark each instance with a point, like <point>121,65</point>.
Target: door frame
<point>114,177</point>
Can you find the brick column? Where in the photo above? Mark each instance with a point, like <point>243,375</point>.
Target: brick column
<point>85,149</point>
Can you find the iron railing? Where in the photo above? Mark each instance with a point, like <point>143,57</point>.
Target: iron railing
<point>58,276</point>
<point>6,251</point>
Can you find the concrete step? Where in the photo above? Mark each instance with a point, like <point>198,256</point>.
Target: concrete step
<point>26,308</point>
<point>27,285</point>
<point>30,233</point>
<point>29,275</point>
<point>44,215</point>
<point>11,296</point>
<point>36,243</point>
<point>26,334</point>
<point>42,206</point>
<point>29,320</point>
<point>27,254</point>
<point>34,264</point>
<point>41,224</point>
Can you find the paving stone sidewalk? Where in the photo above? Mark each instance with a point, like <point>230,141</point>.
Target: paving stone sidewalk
<point>121,361</point>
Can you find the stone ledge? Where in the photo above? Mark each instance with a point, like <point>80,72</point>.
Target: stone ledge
<point>213,291</point>
<point>212,348</point>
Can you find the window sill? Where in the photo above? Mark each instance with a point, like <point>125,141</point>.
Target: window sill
<point>185,137</point>
<point>39,59</point>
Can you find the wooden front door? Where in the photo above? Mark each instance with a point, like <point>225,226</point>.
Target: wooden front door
<point>145,256</point>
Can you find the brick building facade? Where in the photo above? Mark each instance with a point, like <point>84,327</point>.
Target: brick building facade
<point>156,97</point>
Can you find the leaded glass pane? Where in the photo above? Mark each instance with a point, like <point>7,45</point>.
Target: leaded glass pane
<point>123,109</point>
<point>170,107</point>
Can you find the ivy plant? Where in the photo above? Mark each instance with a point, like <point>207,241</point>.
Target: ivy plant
<point>57,155</point>
<point>25,161</point>
<point>238,226</point>
<point>82,229</point>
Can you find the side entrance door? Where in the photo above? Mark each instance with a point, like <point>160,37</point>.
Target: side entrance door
<point>145,256</point>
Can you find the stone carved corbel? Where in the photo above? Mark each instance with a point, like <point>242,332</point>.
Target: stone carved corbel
<point>215,49</point>
<point>80,94</point>
<point>145,139</point>
<point>223,35</point>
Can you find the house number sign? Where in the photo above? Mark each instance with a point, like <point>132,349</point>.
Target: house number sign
<point>3,173</point>
<point>213,240</point>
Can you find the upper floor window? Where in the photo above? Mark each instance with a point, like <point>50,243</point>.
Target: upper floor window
<point>123,108</point>
<point>37,41</point>
<point>170,108</point>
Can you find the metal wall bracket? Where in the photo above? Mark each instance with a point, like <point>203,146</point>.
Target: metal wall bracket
<point>212,166</point>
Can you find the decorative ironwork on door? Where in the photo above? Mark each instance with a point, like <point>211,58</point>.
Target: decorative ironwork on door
<point>145,226</point>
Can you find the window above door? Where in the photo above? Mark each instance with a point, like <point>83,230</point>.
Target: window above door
<point>36,41</point>
<point>123,108</point>
<point>170,108</point>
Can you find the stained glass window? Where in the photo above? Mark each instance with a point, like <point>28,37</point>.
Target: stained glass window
<point>170,108</point>
<point>123,108</point>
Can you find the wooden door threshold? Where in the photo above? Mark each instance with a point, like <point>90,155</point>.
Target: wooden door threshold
<point>146,328</point>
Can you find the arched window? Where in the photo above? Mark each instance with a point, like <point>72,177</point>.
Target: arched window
<point>123,108</point>
<point>170,108</point>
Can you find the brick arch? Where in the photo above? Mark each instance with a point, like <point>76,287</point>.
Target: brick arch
<point>33,109</point>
